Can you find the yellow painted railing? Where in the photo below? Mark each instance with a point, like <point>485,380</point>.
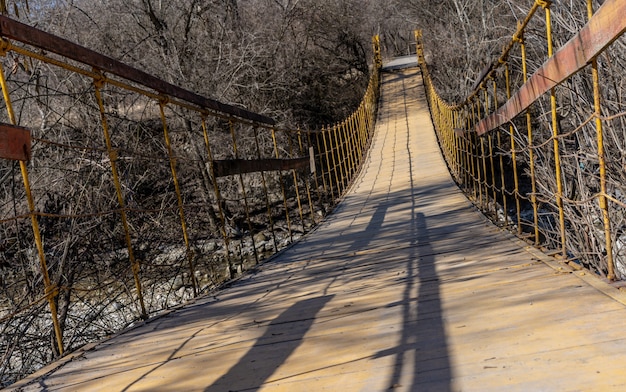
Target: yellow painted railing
<point>124,195</point>
<point>532,150</point>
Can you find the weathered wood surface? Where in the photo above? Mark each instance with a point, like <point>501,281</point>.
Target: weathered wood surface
<point>223,168</point>
<point>405,287</point>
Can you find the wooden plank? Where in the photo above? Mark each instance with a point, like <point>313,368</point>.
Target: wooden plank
<point>223,168</point>
<point>15,143</point>
<point>603,28</point>
<point>29,35</point>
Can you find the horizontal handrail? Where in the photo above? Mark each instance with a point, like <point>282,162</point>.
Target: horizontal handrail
<point>541,158</point>
<point>606,25</point>
<point>21,32</point>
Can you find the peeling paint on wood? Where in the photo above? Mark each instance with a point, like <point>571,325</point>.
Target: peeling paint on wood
<point>15,143</point>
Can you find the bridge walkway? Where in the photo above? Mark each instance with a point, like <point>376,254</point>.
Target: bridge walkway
<point>405,287</point>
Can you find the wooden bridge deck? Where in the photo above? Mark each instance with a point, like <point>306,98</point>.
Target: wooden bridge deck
<point>404,287</point>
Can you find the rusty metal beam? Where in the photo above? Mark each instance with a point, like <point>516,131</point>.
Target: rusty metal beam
<point>15,143</point>
<point>483,74</point>
<point>17,31</point>
<point>603,28</point>
<point>230,167</point>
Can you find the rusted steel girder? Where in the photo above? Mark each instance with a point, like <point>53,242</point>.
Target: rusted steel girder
<point>223,168</point>
<point>603,28</point>
<point>17,31</point>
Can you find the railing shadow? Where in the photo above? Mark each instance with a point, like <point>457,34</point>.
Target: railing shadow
<point>268,353</point>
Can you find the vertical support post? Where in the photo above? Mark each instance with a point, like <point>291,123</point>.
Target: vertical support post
<point>218,197</point>
<point>282,186</point>
<point>491,163</point>
<point>531,150</point>
<point>513,155</point>
<point>330,170</point>
<point>345,154</point>
<point>181,209</point>
<point>246,204</point>
<point>306,183</point>
<point>321,164</point>
<point>336,148</point>
<point>362,126</point>
<point>355,140</point>
<point>453,144</point>
<point>353,133</point>
<point>295,182</point>
<point>51,291</point>
<point>348,145</point>
<point>602,199</point>
<point>473,155</point>
<point>265,191</point>
<point>503,190</point>
<point>459,146</point>
<point>120,197</point>
<point>467,152</point>
<point>494,191</point>
<point>483,157</point>
<point>448,135</point>
<point>378,59</point>
<point>555,139</point>
<point>484,164</point>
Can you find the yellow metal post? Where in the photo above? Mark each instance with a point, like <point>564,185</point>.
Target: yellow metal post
<point>493,175</point>
<point>306,182</point>
<point>330,179</point>
<point>353,132</point>
<point>467,153</point>
<point>181,208</point>
<point>295,182</point>
<point>218,197</point>
<point>458,140</point>
<point>120,198</point>
<point>265,191</point>
<point>320,168</point>
<point>473,156</point>
<point>531,150</point>
<point>555,139</point>
<point>359,125</point>
<point>484,164</point>
<point>491,163</point>
<point>513,156</point>
<point>349,150</point>
<point>51,291</point>
<point>282,186</point>
<point>606,218</point>
<point>242,258</point>
<point>345,153</point>
<point>482,176</point>
<point>503,190</point>
<point>378,60</point>
<point>339,163</point>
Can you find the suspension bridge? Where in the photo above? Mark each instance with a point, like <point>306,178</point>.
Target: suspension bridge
<point>406,285</point>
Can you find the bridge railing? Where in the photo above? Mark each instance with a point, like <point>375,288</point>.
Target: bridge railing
<point>122,195</point>
<point>544,153</point>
